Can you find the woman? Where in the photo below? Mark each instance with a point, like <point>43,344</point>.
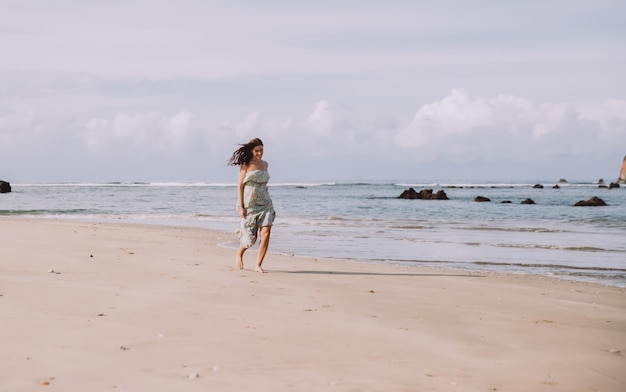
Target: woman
<point>254,204</point>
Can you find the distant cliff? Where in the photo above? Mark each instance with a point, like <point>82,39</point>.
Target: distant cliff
<point>622,173</point>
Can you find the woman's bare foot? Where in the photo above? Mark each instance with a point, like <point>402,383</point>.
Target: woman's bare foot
<point>239,262</point>
<point>259,269</point>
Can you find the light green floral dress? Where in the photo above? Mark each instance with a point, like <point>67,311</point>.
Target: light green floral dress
<point>258,204</point>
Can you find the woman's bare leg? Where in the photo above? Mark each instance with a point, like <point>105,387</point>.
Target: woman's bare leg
<point>263,245</point>
<point>239,257</point>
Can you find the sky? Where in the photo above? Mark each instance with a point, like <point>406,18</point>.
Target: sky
<point>343,90</point>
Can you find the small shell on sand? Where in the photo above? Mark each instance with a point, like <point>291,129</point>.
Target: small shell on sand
<point>46,382</point>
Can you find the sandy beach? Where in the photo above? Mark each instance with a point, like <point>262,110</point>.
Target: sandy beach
<point>121,307</point>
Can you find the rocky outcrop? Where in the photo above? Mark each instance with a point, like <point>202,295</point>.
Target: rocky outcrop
<point>440,195</point>
<point>622,173</point>
<point>408,194</point>
<point>5,187</point>
<point>593,202</point>
<point>481,199</point>
<point>537,186</point>
<point>528,201</point>
<point>424,194</point>
<point>613,185</point>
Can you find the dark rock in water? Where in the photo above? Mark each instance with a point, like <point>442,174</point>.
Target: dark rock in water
<point>613,185</point>
<point>556,186</point>
<point>506,201</point>
<point>440,195</point>
<point>5,187</point>
<point>408,194</point>
<point>481,199</point>
<point>601,181</point>
<point>538,186</point>
<point>424,194</point>
<point>528,201</point>
<point>562,181</point>
<point>593,202</point>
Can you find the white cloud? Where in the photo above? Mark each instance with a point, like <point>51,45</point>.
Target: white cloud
<point>451,118</point>
<point>97,129</point>
<point>610,115</point>
<point>320,121</point>
<point>27,134</point>
<point>139,133</point>
<point>460,129</point>
<point>319,134</point>
<point>511,128</point>
<point>177,128</point>
<point>504,129</point>
<point>248,127</point>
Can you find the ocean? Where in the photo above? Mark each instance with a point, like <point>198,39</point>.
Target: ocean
<point>367,222</point>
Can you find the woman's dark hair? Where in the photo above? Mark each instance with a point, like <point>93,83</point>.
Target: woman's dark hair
<point>243,155</point>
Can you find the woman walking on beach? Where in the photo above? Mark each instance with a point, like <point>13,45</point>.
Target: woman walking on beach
<point>254,204</point>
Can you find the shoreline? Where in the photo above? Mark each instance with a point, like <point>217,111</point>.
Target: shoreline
<point>232,245</point>
<point>102,306</point>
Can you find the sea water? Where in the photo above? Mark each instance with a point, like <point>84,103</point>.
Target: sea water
<point>367,222</point>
